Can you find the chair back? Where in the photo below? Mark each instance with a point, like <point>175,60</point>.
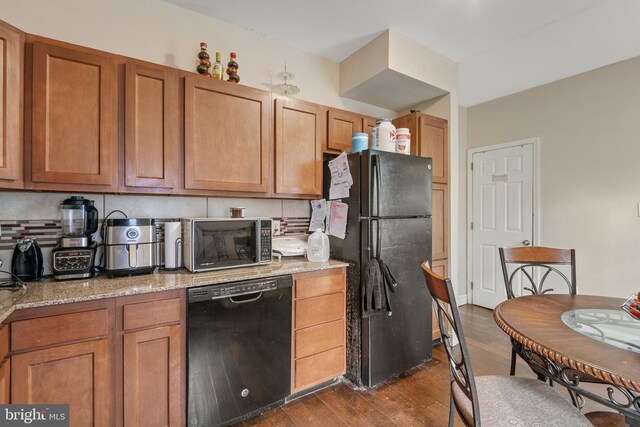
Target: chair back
<point>545,260</point>
<point>451,328</point>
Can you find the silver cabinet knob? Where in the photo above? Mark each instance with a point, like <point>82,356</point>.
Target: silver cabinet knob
<point>526,242</point>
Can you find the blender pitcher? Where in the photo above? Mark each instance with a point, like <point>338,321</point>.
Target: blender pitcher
<point>79,221</point>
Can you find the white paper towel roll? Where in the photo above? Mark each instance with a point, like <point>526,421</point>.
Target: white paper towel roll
<point>172,245</point>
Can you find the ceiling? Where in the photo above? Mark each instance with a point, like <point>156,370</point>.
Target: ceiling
<point>501,46</point>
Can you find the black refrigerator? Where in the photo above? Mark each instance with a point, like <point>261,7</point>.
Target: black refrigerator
<point>389,203</point>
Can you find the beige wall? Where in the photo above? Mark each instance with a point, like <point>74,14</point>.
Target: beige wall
<point>589,128</point>
<point>461,195</point>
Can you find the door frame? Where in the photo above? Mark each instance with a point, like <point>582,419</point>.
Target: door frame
<point>535,141</point>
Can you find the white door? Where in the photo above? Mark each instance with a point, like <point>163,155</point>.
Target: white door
<point>502,209</point>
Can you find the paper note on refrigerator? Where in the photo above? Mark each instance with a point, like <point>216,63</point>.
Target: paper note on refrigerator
<point>318,214</point>
<point>338,219</point>
<point>341,179</point>
<point>339,191</point>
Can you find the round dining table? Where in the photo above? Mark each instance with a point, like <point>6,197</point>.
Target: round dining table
<point>577,339</point>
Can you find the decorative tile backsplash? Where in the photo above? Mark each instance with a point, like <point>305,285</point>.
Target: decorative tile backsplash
<point>46,231</point>
<point>49,231</point>
<point>295,225</point>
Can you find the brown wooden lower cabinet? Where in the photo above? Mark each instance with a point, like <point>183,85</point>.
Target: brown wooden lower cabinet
<point>319,334</point>
<point>315,339</point>
<point>5,366</point>
<point>152,377</point>
<point>5,382</point>
<point>71,354</point>
<point>76,374</point>
<point>151,330</point>
<point>319,367</point>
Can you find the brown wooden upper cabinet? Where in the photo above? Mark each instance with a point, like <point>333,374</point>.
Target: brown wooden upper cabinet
<point>299,138</point>
<point>151,126</point>
<point>368,123</point>
<point>341,125</point>
<point>74,120</point>
<point>429,138</point>
<point>440,222</point>
<point>11,72</point>
<point>227,136</point>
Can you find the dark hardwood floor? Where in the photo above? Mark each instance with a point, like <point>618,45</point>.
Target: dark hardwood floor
<point>420,398</point>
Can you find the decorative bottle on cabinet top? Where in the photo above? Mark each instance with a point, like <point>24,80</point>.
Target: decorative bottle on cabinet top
<point>232,69</point>
<point>217,70</point>
<point>204,62</point>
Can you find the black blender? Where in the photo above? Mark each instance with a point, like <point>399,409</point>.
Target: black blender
<point>74,258</point>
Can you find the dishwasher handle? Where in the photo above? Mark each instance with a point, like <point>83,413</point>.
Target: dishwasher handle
<point>246,300</point>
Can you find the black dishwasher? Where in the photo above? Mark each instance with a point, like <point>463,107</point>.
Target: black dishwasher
<point>239,349</point>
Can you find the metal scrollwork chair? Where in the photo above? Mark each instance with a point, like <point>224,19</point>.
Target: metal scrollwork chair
<point>492,400</point>
<point>545,261</point>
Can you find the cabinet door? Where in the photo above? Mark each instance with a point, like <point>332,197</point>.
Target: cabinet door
<point>152,362</point>
<point>5,382</point>
<point>5,366</point>
<point>73,118</point>
<point>341,125</point>
<point>434,142</point>
<point>227,138</point>
<point>440,218</point>
<point>11,70</point>
<point>298,148</point>
<point>368,123</point>
<point>151,126</point>
<point>77,374</point>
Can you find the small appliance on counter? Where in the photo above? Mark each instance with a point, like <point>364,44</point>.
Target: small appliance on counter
<point>74,258</point>
<point>217,243</point>
<point>171,249</point>
<point>290,245</point>
<point>27,263</point>
<point>130,246</point>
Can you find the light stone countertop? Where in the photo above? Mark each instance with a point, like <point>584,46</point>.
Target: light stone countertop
<point>39,294</point>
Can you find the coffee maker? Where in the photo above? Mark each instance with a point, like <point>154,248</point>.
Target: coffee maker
<point>74,258</point>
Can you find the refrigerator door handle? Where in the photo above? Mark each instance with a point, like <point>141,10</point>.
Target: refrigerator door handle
<point>375,250</point>
<point>378,182</point>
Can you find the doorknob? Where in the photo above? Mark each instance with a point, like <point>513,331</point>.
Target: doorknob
<point>526,242</point>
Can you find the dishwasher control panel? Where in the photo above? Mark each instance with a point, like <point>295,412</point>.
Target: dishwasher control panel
<point>228,291</point>
<point>238,288</point>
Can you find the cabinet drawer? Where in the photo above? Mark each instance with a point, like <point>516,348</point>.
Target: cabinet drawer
<point>319,367</point>
<point>321,283</point>
<point>4,341</point>
<point>51,330</point>
<point>312,311</point>
<point>151,313</point>
<point>319,338</point>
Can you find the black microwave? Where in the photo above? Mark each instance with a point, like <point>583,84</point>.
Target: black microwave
<point>217,243</point>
